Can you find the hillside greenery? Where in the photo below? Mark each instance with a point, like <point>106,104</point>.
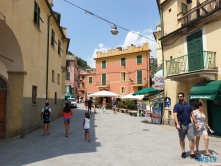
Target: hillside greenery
<point>80,62</point>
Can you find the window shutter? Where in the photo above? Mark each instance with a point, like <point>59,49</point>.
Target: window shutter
<point>68,76</point>
<point>139,77</point>
<point>103,79</point>
<point>139,59</point>
<point>123,63</point>
<point>90,80</point>
<point>70,89</point>
<point>103,64</point>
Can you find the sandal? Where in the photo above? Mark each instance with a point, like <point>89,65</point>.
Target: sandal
<point>208,154</point>
<point>198,153</point>
<point>193,156</point>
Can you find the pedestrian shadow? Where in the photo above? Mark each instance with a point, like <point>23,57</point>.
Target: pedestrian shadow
<point>35,147</point>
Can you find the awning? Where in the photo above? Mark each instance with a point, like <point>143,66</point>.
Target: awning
<point>145,91</point>
<point>69,96</point>
<point>206,90</point>
<point>130,96</point>
<point>156,93</point>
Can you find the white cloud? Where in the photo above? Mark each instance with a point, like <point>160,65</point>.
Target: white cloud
<point>134,39</point>
<point>131,38</point>
<point>90,60</point>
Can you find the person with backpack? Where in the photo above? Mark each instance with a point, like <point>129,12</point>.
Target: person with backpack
<point>46,116</point>
<point>86,126</point>
<point>67,114</point>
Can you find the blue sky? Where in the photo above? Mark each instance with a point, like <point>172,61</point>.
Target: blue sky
<point>89,34</point>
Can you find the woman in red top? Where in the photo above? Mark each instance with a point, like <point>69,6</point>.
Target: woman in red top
<point>67,113</point>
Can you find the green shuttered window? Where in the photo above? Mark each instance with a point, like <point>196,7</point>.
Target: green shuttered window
<point>103,79</point>
<point>37,14</point>
<point>103,64</point>
<point>90,80</point>
<point>68,76</point>
<point>123,61</point>
<point>139,59</point>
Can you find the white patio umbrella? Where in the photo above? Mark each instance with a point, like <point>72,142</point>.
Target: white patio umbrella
<point>130,96</point>
<point>103,93</point>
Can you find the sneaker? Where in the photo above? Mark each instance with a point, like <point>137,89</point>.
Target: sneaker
<point>193,156</point>
<point>183,155</point>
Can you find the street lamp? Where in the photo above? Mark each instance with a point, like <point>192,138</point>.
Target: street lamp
<point>114,30</point>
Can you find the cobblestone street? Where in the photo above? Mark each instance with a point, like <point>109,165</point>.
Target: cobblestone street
<point>116,139</point>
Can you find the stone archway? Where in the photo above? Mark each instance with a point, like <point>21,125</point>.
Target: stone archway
<point>12,72</point>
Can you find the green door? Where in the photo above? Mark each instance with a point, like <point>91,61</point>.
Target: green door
<point>103,79</point>
<point>195,51</point>
<point>216,122</point>
<point>139,77</point>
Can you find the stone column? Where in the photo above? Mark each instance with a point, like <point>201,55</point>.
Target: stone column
<point>16,85</point>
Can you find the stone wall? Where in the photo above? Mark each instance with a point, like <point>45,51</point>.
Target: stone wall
<point>31,119</point>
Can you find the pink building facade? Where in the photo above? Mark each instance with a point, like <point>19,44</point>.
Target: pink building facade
<point>71,81</point>
<point>122,71</point>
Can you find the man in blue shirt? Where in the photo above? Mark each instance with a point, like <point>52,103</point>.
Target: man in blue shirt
<point>182,112</point>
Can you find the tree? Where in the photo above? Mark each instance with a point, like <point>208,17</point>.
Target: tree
<point>80,62</point>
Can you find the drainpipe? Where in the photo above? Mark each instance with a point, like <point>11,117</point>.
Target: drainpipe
<point>162,34</point>
<point>47,61</point>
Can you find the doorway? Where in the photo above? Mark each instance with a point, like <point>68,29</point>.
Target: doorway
<point>3,99</point>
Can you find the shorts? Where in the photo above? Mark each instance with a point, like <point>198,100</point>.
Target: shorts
<point>114,106</point>
<point>86,129</point>
<point>104,108</point>
<point>186,130</point>
<point>67,120</point>
<point>46,121</point>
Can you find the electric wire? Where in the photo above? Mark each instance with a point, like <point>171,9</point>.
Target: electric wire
<point>86,11</point>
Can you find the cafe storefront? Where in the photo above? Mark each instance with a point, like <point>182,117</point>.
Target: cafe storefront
<point>210,93</point>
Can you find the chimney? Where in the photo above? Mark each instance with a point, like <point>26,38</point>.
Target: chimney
<point>51,2</point>
<point>119,48</point>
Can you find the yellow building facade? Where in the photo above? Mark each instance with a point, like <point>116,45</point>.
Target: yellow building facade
<point>33,49</point>
<point>190,38</point>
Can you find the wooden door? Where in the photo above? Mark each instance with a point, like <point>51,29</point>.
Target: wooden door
<point>3,97</point>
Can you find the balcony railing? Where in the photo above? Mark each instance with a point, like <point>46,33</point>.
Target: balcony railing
<point>200,10</point>
<point>138,81</point>
<point>103,84</point>
<point>198,60</point>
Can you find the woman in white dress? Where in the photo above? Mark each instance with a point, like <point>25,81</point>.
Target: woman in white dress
<point>203,128</point>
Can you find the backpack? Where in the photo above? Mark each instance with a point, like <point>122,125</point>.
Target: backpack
<point>46,114</point>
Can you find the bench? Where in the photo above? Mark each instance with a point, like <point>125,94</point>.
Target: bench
<point>123,110</point>
<point>133,113</point>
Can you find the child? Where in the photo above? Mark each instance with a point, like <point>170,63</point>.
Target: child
<point>67,113</point>
<point>86,126</point>
<point>46,116</point>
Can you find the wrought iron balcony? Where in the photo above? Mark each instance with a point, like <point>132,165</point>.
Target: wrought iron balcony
<point>103,84</point>
<point>203,9</point>
<point>198,60</point>
<point>81,88</point>
<point>138,82</point>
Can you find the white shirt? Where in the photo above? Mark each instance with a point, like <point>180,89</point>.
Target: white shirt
<point>87,123</point>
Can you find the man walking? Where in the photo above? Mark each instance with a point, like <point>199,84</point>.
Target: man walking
<point>182,112</point>
<point>89,102</point>
<point>114,105</point>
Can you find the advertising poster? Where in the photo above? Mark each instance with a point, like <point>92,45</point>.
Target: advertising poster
<point>156,115</point>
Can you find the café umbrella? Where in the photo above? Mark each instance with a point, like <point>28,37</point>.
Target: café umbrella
<point>103,93</point>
